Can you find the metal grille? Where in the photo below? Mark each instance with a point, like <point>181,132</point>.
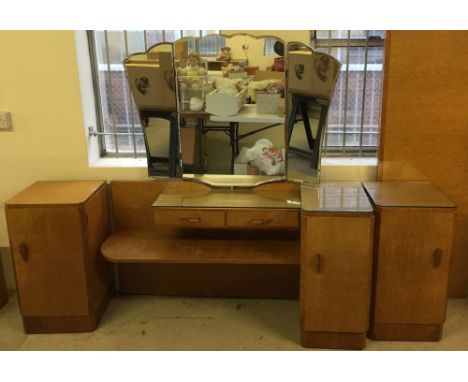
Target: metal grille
<point>118,125</point>
<point>353,125</point>
<point>354,116</point>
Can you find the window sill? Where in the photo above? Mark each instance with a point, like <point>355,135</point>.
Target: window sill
<point>362,162</point>
<point>119,163</point>
<point>142,163</point>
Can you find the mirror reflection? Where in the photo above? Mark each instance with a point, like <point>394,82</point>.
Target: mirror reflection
<point>231,100</point>
<point>221,106</point>
<point>312,77</point>
<point>151,79</point>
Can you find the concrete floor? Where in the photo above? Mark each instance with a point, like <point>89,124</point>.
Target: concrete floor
<point>176,323</point>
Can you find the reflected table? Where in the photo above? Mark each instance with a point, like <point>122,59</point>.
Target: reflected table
<point>248,114</point>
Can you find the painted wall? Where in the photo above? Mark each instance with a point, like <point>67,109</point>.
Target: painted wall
<point>40,86</point>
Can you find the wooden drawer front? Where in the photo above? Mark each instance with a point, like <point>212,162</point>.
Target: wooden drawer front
<point>190,217</point>
<point>263,219</point>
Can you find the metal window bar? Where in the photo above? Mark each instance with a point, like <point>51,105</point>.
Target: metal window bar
<point>326,41</point>
<point>130,100</point>
<point>109,80</point>
<point>345,116</point>
<point>361,134</point>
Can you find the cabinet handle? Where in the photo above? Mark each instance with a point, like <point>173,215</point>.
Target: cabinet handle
<point>318,263</point>
<point>437,257</point>
<point>23,250</point>
<point>191,220</point>
<point>261,221</point>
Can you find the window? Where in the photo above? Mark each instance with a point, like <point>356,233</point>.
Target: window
<point>354,116</point>
<point>268,49</point>
<point>119,128</point>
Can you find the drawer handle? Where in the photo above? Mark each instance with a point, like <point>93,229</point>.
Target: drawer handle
<point>191,220</point>
<point>261,221</point>
<point>23,250</point>
<point>437,257</point>
<point>318,263</point>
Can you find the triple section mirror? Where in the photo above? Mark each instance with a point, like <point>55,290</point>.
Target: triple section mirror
<point>232,110</point>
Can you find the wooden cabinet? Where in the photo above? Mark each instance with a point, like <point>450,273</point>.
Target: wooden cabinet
<point>412,260</point>
<point>3,290</point>
<point>244,242</point>
<point>336,270</point>
<point>56,230</point>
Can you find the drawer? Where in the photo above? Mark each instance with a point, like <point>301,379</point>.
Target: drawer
<point>263,219</point>
<point>189,217</point>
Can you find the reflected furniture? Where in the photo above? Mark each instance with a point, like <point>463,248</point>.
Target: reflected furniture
<point>337,225</point>
<point>3,289</point>
<point>248,114</point>
<point>56,230</point>
<point>152,81</point>
<point>414,229</point>
<point>311,79</point>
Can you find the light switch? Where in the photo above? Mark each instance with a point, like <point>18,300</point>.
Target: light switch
<point>5,120</point>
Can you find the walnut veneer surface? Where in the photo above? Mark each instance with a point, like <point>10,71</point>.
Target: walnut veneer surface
<point>425,124</point>
<point>56,230</point>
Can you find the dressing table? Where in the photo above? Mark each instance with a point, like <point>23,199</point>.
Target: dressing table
<point>221,235</point>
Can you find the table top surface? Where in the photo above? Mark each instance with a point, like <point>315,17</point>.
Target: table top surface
<point>248,114</point>
<point>335,197</point>
<point>227,198</point>
<point>56,193</point>
<point>407,194</point>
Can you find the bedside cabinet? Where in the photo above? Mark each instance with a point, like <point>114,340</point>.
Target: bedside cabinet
<point>336,265</point>
<point>56,230</point>
<point>414,229</point>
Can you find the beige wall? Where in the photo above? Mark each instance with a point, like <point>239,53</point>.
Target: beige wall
<point>40,86</point>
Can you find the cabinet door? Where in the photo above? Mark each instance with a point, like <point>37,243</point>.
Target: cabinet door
<point>413,265</point>
<point>336,273</point>
<point>47,250</point>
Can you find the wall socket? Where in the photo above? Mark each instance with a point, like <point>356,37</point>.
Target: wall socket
<point>5,121</point>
